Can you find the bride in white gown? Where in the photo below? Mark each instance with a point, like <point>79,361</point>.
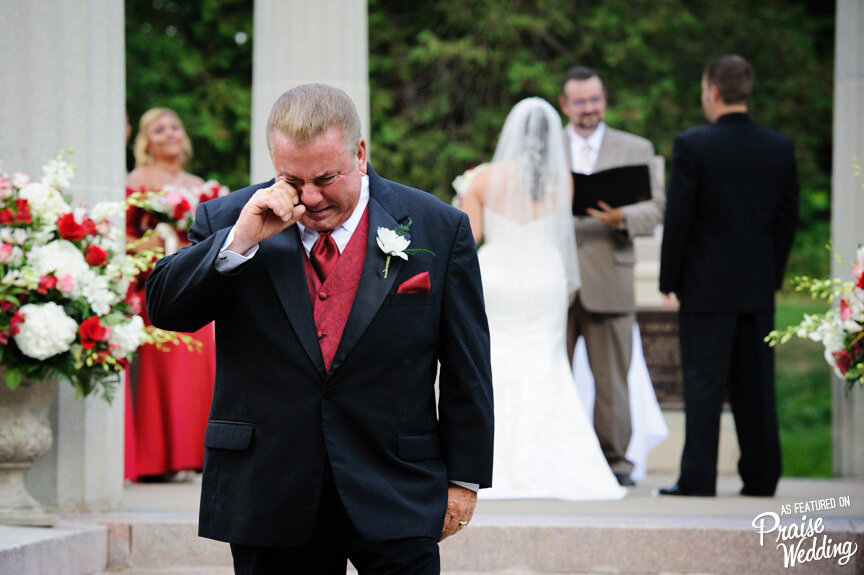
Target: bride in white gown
<point>545,446</point>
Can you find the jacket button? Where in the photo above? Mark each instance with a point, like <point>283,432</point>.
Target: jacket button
<point>328,392</point>
<point>322,295</point>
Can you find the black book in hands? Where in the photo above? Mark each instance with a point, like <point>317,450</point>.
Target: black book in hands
<point>617,187</point>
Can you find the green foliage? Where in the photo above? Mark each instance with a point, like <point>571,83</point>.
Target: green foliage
<point>183,55</point>
<point>803,396</point>
<point>445,73</point>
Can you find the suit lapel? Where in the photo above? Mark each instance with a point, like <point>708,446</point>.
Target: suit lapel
<point>385,210</point>
<point>283,258</point>
<point>606,157</point>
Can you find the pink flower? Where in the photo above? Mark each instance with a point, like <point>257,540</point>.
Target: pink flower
<point>5,253</point>
<point>845,311</point>
<point>66,284</point>
<point>173,198</point>
<point>5,188</point>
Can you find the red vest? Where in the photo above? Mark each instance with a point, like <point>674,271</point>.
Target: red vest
<point>332,300</point>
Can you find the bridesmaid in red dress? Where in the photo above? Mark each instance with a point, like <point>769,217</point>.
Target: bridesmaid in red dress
<point>173,389</point>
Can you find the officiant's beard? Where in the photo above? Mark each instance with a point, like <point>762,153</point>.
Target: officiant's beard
<point>589,121</point>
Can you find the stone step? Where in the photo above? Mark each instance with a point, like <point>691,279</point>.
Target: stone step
<point>526,544</point>
<point>230,571</point>
<point>66,549</point>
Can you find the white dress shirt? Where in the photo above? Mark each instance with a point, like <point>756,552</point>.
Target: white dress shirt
<point>578,146</point>
<point>228,260</point>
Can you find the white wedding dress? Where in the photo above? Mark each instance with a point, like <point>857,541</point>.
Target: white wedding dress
<point>545,446</point>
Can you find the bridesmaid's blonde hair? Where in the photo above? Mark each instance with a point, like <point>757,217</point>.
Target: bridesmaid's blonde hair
<point>142,155</point>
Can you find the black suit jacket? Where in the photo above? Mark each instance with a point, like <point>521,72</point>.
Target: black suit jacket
<point>731,214</point>
<point>277,416</point>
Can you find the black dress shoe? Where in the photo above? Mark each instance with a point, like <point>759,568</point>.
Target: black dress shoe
<point>678,490</point>
<point>624,480</point>
<point>756,492</point>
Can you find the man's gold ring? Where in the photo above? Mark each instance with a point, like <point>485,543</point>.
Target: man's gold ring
<point>269,191</point>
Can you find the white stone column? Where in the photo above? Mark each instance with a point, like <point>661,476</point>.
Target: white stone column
<point>847,209</point>
<point>63,69</point>
<point>302,41</point>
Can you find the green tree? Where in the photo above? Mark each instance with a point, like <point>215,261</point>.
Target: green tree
<point>444,75</point>
<point>195,57</point>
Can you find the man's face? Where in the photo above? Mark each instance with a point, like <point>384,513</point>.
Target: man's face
<point>584,103</point>
<point>327,178</point>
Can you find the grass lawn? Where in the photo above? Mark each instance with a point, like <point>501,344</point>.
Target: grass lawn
<point>803,396</point>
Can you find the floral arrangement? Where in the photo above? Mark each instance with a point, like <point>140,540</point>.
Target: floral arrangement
<point>462,182</point>
<point>174,205</point>
<point>840,329</point>
<point>64,276</point>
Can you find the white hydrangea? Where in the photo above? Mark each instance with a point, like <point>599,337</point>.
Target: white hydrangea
<point>46,203</point>
<point>45,331</point>
<point>59,257</point>
<point>16,236</point>
<point>126,337</point>
<point>16,257</point>
<point>95,288</point>
<point>58,173</point>
<point>107,211</point>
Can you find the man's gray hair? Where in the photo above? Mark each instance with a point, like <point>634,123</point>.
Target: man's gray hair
<point>308,111</point>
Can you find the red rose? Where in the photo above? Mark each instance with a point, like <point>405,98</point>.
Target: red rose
<point>15,323</point>
<point>96,256</point>
<point>23,214</point>
<point>6,216</point>
<point>89,227</point>
<point>860,284</point>
<point>203,198</point>
<point>6,305</point>
<point>92,332</point>
<point>46,283</point>
<point>70,229</point>
<point>843,360</point>
<point>181,209</point>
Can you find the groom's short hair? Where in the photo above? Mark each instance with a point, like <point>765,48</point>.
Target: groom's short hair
<point>733,76</point>
<point>307,111</point>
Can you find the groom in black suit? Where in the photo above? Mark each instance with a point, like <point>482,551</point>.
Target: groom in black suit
<point>731,214</point>
<point>325,440</point>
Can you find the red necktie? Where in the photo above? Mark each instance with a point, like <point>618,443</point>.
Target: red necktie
<point>324,255</point>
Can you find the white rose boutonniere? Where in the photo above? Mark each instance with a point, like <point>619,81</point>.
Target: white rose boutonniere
<point>394,243</point>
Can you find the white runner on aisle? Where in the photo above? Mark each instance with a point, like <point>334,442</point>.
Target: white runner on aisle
<point>648,426</point>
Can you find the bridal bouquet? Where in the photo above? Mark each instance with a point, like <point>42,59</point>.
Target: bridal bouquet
<point>841,329</point>
<point>174,205</point>
<point>64,275</point>
<point>462,182</point>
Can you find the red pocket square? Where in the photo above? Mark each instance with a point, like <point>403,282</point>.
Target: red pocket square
<point>418,284</point>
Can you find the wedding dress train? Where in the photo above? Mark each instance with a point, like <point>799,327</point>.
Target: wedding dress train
<point>545,446</point>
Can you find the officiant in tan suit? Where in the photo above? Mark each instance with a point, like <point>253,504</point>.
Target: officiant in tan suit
<point>605,307</point>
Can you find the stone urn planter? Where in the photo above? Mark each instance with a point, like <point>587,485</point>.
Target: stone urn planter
<point>25,436</point>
